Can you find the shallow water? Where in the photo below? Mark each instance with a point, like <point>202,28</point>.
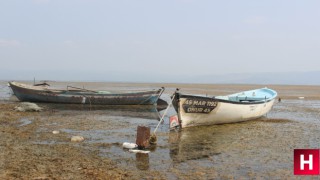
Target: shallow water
<point>24,122</point>
<point>259,148</point>
<point>298,110</point>
<point>5,91</point>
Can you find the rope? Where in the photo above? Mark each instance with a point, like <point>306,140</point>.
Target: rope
<point>142,102</point>
<point>151,96</point>
<point>153,137</point>
<point>165,112</point>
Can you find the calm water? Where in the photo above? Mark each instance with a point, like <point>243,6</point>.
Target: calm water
<point>5,91</point>
<point>260,148</point>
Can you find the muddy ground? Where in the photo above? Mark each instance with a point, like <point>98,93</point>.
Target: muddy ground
<point>255,149</point>
<point>21,158</point>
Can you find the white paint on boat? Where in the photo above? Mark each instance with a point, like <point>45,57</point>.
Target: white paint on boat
<point>196,110</point>
<point>224,113</point>
<point>83,100</point>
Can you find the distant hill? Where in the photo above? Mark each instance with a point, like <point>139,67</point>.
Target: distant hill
<point>289,78</point>
<point>293,78</point>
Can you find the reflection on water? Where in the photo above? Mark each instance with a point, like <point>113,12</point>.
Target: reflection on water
<point>142,161</point>
<point>201,142</point>
<point>198,143</point>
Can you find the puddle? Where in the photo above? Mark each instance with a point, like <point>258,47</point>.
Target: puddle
<point>24,122</point>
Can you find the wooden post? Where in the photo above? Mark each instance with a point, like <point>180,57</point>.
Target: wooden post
<point>143,136</point>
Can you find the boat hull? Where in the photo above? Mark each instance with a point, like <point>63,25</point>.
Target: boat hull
<point>199,111</point>
<point>39,94</point>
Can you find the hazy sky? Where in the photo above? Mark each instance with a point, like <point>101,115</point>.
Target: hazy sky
<point>150,38</point>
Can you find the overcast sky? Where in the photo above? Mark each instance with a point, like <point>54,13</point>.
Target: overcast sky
<point>151,38</point>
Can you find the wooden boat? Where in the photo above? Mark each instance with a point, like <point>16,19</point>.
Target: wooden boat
<point>25,92</point>
<point>196,110</point>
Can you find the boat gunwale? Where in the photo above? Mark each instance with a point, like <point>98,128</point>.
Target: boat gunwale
<point>79,92</point>
<point>227,101</point>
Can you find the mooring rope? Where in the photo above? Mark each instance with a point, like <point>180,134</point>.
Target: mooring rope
<point>151,96</point>
<point>153,137</point>
<point>165,112</point>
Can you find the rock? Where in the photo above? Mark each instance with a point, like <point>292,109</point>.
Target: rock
<point>138,151</point>
<point>27,106</point>
<point>129,145</point>
<point>77,139</point>
<point>55,132</point>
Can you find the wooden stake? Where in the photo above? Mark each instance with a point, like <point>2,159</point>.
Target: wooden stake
<point>143,136</point>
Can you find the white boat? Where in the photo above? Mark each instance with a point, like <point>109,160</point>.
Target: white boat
<point>198,110</point>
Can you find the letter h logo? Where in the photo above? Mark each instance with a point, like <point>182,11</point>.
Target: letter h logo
<point>306,161</point>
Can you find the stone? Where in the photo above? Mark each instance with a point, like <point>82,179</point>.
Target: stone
<point>27,106</point>
<point>55,132</point>
<point>77,139</point>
